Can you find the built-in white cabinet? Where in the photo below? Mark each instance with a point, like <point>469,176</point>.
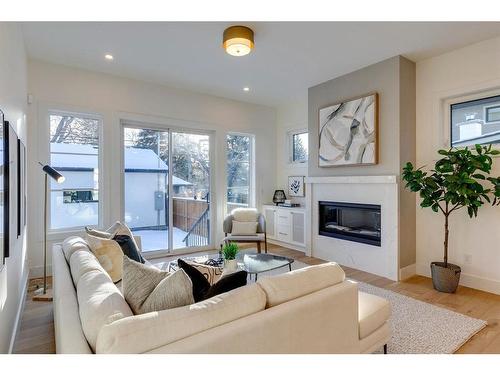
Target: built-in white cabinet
<point>286,224</point>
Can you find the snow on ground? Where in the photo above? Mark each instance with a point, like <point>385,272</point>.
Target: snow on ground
<point>158,239</point>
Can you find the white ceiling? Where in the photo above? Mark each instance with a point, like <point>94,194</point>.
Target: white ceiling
<point>288,57</point>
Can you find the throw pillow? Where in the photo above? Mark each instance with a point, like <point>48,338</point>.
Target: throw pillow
<point>117,228</point>
<point>242,228</point>
<point>109,254</point>
<point>244,214</point>
<point>147,289</point>
<point>211,273</point>
<point>201,287</point>
<point>129,247</point>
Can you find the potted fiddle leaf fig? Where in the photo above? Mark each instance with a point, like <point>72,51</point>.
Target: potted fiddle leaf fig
<point>461,179</point>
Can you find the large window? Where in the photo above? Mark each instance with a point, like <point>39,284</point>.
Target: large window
<point>299,147</point>
<point>475,122</point>
<point>74,151</point>
<point>239,171</point>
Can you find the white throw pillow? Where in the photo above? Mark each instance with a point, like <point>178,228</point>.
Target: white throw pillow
<point>244,228</point>
<point>244,214</point>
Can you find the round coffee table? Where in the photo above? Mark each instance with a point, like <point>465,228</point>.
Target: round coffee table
<point>258,263</point>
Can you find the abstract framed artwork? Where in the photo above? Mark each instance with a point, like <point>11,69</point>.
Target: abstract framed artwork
<point>3,191</point>
<point>348,132</point>
<point>296,186</point>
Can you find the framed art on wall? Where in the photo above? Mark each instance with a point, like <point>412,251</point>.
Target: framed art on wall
<point>3,193</point>
<point>296,186</point>
<point>348,132</point>
<point>12,165</point>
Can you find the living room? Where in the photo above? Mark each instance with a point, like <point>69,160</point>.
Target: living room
<point>318,202</point>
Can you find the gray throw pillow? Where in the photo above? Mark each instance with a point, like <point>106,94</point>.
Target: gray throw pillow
<point>147,289</point>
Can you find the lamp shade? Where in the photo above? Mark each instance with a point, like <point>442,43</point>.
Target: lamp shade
<point>238,40</point>
<point>53,173</point>
<point>279,197</point>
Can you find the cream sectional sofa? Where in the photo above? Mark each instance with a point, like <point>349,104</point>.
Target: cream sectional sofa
<point>311,310</point>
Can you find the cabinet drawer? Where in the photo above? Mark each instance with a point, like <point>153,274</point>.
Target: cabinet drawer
<point>283,233</point>
<point>283,218</point>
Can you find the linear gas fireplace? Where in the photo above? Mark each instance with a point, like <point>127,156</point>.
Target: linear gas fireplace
<point>350,221</point>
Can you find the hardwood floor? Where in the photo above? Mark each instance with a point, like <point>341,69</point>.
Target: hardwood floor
<point>36,333</point>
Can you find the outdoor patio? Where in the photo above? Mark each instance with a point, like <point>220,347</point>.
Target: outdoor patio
<point>153,240</point>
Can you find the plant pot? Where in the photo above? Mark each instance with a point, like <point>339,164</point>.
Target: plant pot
<point>445,279</point>
<point>230,265</point>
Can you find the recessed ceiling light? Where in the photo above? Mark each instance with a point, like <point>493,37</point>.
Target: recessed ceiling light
<point>246,88</point>
<point>108,57</point>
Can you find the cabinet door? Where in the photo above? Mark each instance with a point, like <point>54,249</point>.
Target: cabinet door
<point>298,227</point>
<point>270,214</point>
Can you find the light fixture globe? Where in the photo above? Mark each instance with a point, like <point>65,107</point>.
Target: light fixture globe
<point>238,40</point>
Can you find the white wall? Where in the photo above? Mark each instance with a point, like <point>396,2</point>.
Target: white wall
<point>289,117</point>
<point>13,276</point>
<point>114,98</point>
<point>468,70</point>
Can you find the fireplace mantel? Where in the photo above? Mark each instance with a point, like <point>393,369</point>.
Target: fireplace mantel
<point>389,179</point>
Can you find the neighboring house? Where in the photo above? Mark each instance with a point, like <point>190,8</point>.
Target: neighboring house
<point>76,199</point>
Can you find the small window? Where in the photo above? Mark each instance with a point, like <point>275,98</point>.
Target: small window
<point>299,147</point>
<point>79,196</point>
<point>493,114</point>
<point>475,122</point>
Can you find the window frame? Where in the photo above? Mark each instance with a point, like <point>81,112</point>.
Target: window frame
<point>100,163</point>
<point>170,126</point>
<point>443,112</point>
<point>251,183</point>
<point>487,112</point>
<point>291,149</point>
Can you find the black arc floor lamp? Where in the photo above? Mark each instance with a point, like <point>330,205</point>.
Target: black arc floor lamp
<point>43,294</point>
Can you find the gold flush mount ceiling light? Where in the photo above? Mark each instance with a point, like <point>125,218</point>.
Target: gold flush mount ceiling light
<point>238,40</point>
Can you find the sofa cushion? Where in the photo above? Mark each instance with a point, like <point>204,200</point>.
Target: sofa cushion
<point>82,262</point>
<point>298,283</point>
<point>148,289</point>
<point>373,312</point>
<point>146,332</point>
<point>73,244</point>
<point>100,303</point>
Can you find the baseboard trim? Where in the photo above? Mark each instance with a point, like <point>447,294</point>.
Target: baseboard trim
<point>408,271</point>
<point>37,271</point>
<point>288,245</point>
<point>468,280</point>
<point>19,313</point>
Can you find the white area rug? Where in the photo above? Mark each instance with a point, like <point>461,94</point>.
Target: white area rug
<point>418,327</point>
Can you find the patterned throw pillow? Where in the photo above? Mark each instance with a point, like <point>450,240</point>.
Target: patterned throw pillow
<point>203,290</point>
<point>211,273</point>
<point>147,289</point>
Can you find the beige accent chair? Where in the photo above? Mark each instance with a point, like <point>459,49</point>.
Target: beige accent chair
<point>259,237</point>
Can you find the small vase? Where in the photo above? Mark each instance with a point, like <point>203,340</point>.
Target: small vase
<point>230,265</point>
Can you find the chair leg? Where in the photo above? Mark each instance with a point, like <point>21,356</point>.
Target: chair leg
<point>385,349</point>
<point>258,247</point>
<point>265,245</point>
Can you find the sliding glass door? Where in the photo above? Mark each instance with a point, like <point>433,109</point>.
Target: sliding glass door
<point>169,211</point>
